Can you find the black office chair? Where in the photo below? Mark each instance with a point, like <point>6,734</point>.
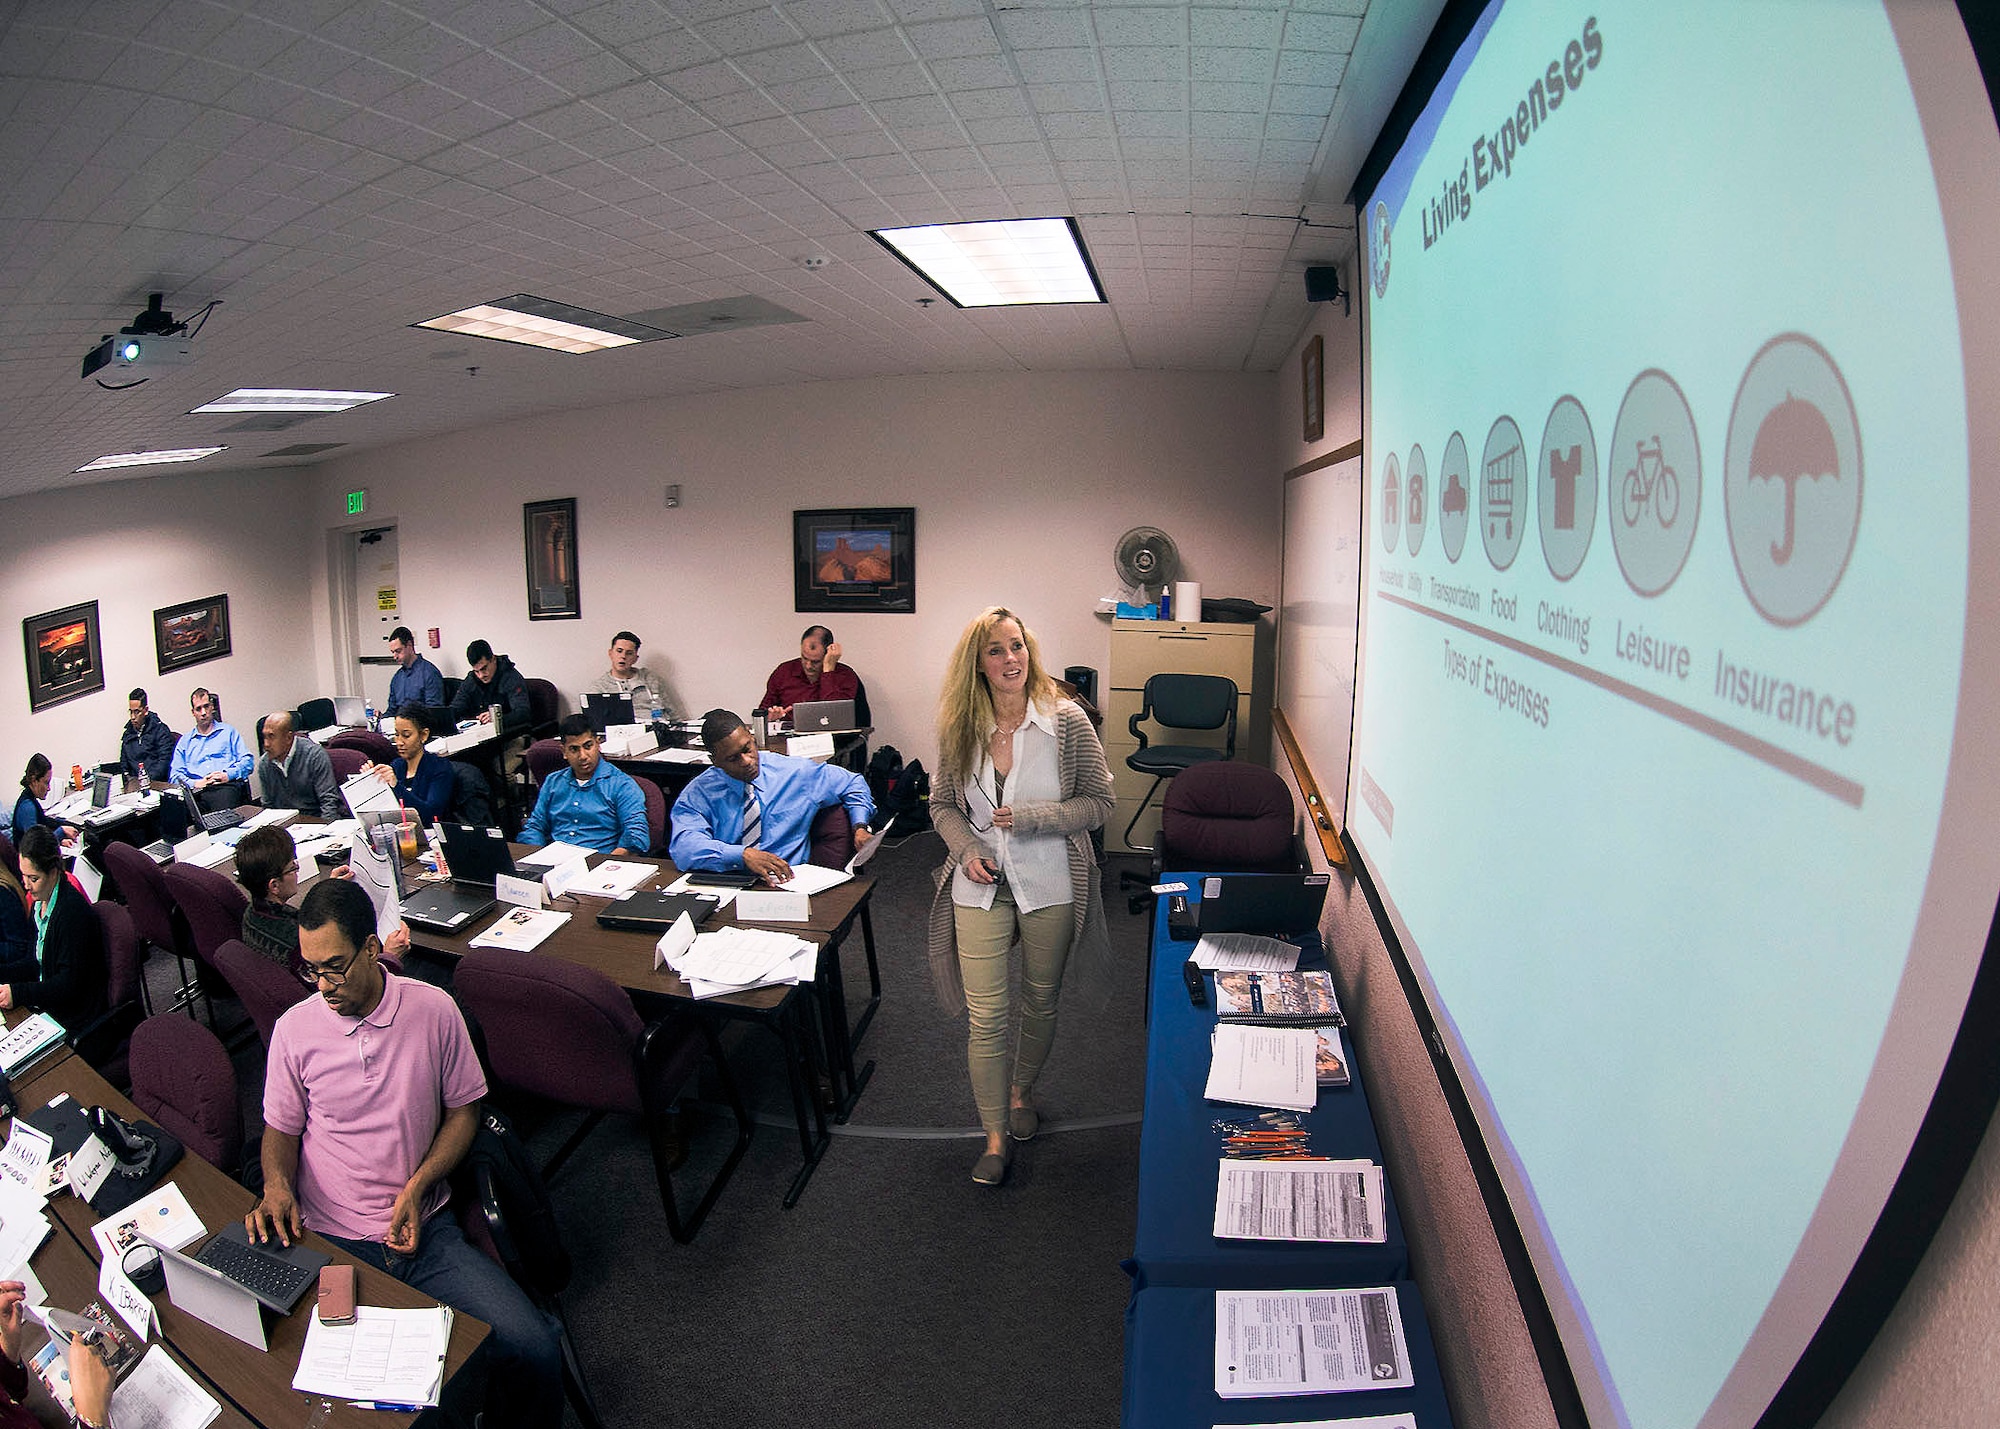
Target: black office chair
<point>1175,701</point>
<point>315,714</point>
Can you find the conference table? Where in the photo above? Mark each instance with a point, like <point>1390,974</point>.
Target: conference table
<point>252,1386</point>
<point>1178,1264</point>
<point>809,1019</point>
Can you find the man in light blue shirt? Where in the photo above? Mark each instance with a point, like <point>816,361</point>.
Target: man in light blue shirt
<point>417,680</point>
<point>590,804</point>
<point>212,752</point>
<point>717,826</point>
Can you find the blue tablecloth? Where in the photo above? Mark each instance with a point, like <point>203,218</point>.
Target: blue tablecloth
<point>1170,1370</point>
<point>1178,1153</point>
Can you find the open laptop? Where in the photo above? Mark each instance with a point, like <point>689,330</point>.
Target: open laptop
<point>209,820</point>
<point>350,711</point>
<point>229,1282</point>
<point>1273,904</point>
<point>605,710</point>
<point>475,856</point>
<point>812,716</point>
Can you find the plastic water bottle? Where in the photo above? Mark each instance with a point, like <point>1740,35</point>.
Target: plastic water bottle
<point>368,712</point>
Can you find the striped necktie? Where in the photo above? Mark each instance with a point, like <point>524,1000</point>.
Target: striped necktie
<point>753,818</point>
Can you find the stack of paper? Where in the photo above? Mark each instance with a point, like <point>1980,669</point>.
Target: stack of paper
<point>734,959</point>
<point>685,884</point>
<point>614,878</point>
<point>29,1040</point>
<point>271,818</point>
<point>1263,1066</point>
<point>521,929</point>
<point>450,744</point>
<point>24,1225</point>
<point>203,851</point>
<point>1244,952</point>
<point>679,756</point>
<point>387,1356</point>
<point>1299,1200</point>
<point>629,741</point>
<point>1308,1342</point>
<point>163,1215</point>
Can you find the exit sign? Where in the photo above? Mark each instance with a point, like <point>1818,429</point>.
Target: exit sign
<point>357,502</point>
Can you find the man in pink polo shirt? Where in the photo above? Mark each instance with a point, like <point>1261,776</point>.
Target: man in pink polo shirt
<point>371,1096</point>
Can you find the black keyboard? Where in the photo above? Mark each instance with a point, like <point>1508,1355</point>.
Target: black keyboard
<point>221,819</point>
<point>262,1273</point>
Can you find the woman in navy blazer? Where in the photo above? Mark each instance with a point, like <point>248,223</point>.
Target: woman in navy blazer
<point>67,977</point>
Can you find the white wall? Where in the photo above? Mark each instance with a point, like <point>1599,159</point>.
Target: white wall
<point>133,546</point>
<point>1021,486</point>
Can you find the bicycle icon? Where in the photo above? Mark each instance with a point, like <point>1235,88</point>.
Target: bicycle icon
<point>1651,482</point>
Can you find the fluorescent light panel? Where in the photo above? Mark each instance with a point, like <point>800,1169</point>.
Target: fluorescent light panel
<point>542,322</point>
<point>288,399</point>
<point>105,463</point>
<point>1001,262</point>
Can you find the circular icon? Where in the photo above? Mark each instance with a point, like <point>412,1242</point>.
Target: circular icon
<point>1454,488</point>
<point>1392,504</point>
<point>1566,487</point>
<point>1416,496</point>
<point>1652,482</point>
<point>1791,479</point>
<point>1502,493</point>
<point>1378,250</point>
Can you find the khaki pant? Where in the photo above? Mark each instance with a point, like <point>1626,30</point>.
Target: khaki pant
<point>984,935</point>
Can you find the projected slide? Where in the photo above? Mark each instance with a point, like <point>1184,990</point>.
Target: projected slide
<point>1664,617</point>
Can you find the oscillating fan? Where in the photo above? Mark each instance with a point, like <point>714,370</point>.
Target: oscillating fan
<point>1147,561</point>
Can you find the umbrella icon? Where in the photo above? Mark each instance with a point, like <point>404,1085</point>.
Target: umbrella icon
<point>1793,441</point>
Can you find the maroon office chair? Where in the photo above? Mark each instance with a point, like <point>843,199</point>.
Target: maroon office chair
<point>144,889</point>
<point>544,709</point>
<point>376,746</point>
<point>183,1080</point>
<point>543,758</point>
<point>656,815</point>
<point>832,837</point>
<point>1227,818</point>
<point>347,762</point>
<point>266,989</point>
<point>103,1042</point>
<point>212,907</point>
<point>570,1035</point>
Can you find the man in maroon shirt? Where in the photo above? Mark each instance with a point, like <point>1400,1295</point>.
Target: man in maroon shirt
<point>816,675</point>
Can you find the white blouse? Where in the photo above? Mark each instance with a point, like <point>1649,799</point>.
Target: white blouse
<point>1036,865</point>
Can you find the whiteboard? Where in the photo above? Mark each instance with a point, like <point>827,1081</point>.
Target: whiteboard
<point>1318,618</point>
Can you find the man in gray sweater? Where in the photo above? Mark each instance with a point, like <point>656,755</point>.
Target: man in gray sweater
<point>295,773</point>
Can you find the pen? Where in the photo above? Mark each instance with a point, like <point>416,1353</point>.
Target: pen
<point>385,1404</point>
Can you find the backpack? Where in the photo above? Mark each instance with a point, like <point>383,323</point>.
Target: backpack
<point>909,799</point>
<point>883,770</point>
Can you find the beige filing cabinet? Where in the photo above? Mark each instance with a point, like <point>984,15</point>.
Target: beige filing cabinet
<point>1141,649</point>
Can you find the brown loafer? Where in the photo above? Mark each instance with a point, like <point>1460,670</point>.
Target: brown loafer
<point>990,1169</point>
<point>1023,1122</point>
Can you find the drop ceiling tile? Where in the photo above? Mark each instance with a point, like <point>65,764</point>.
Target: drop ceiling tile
<point>1246,28</point>
<point>954,39</point>
<point>624,21</point>
<point>867,49</point>
<point>1066,98</point>
<point>489,22</point>
<point>1081,125</point>
<point>1154,62</point>
<point>671,50</point>
<point>783,65</point>
<point>1134,94</point>
<point>1009,131</point>
<point>1331,33</point>
<point>806,95</point>
<point>1159,124</point>
<point>927,109</point>
<point>750,30</point>
<point>1310,68</point>
<point>820,18</point>
<point>984,104</point>
<point>1057,66</point>
<point>705,81</point>
<point>1045,29</point>
<point>1142,25</point>
<point>1303,99</point>
<point>915,11</point>
<point>1235,66</point>
<point>364,82</point>
<point>592,74</point>
<point>831,123</point>
<point>763,134</point>
<point>975,73</point>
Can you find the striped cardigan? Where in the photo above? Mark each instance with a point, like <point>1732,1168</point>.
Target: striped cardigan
<point>1085,804</point>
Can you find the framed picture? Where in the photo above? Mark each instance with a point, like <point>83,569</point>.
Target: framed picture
<point>64,660</point>
<point>1312,387</point>
<point>191,633</point>
<point>855,559</point>
<point>549,529</point>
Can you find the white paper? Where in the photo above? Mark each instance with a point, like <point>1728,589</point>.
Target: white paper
<point>868,850</point>
<point>1299,1200</point>
<point>468,738</point>
<point>159,1394</point>
<point>614,878</point>
<point>772,905</point>
<point>89,1166</point>
<point>811,878</point>
<point>29,1038</point>
<point>26,1153</point>
<point>162,1215</point>
<point>557,880</point>
<point>518,892</point>
<point>1263,1066</point>
<point>366,793</point>
<point>123,1296</point>
<point>35,1299</point>
<point>1170,888</point>
<point>271,818</point>
<point>809,746</point>
<point>1308,1342</point>
<point>24,1224</point>
<point>673,943</point>
<point>551,855</point>
<point>723,897</point>
<point>521,929</point>
<point>738,959</point>
<point>396,1356</point>
<point>1245,952</point>
<point>678,756</point>
<point>373,874</point>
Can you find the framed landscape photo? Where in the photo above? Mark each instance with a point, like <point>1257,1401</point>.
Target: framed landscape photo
<point>549,529</point>
<point>855,559</point>
<point>192,633</point>
<point>1312,387</point>
<point>64,660</point>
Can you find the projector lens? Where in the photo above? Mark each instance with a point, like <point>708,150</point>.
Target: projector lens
<point>128,351</point>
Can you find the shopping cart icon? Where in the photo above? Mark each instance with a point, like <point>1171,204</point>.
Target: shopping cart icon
<point>1503,475</point>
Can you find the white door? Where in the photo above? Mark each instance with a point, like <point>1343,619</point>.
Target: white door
<point>377,609</point>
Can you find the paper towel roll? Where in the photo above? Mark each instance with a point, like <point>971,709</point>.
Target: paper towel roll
<point>1187,600</point>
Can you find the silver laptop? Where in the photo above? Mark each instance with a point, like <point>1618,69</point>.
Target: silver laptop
<point>350,711</point>
<point>813,716</point>
<point>227,1302</point>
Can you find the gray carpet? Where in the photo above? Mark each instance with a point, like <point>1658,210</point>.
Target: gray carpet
<point>897,1293</point>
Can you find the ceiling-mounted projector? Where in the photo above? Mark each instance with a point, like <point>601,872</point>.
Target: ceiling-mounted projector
<point>153,340</point>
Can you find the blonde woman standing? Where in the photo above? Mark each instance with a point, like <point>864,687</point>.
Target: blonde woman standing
<point>1021,783</point>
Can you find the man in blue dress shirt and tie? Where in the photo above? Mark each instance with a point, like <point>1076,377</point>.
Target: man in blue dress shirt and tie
<point>590,804</point>
<point>754,811</point>
<point>211,757</point>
